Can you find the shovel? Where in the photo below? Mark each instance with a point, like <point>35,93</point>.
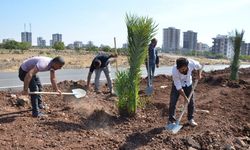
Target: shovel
<point>149,89</point>
<point>78,93</point>
<point>175,127</point>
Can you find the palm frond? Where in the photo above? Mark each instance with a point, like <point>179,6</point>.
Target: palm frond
<point>237,41</point>
<point>140,31</point>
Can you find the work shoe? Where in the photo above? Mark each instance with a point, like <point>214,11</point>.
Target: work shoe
<point>192,123</point>
<point>97,92</point>
<point>112,92</point>
<point>40,115</point>
<point>43,106</point>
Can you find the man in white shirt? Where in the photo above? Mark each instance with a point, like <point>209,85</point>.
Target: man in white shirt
<point>182,85</point>
<point>28,74</point>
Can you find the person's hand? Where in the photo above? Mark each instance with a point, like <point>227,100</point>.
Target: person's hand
<point>86,87</point>
<point>186,99</point>
<point>25,92</point>
<point>199,76</point>
<point>114,55</point>
<point>157,65</point>
<point>59,92</point>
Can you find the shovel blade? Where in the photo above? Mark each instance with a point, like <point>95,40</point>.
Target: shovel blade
<point>173,127</point>
<point>78,93</point>
<point>149,90</point>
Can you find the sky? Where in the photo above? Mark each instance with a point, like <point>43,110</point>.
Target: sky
<point>100,21</point>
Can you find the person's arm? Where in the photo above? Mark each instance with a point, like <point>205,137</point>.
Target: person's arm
<point>157,61</point>
<point>88,79</point>
<point>180,89</point>
<point>112,55</point>
<point>91,70</point>
<point>27,79</point>
<point>198,69</point>
<point>53,81</point>
<point>177,84</point>
<point>182,93</point>
<point>199,74</point>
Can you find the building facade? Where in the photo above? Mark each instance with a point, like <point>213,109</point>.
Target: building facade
<point>171,39</point>
<point>246,49</point>
<point>223,45</point>
<point>26,37</point>
<point>78,44</point>
<point>202,47</point>
<point>189,40</point>
<point>56,38</point>
<point>41,42</point>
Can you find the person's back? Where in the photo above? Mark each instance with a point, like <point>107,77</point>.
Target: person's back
<point>41,62</point>
<point>100,63</point>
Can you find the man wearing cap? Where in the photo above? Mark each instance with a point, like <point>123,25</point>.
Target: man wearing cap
<point>28,74</point>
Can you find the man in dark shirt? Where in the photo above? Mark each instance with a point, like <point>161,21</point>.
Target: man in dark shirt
<point>153,60</point>
<point>100,63</point>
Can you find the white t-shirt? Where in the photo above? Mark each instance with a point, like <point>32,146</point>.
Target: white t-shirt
<point>181,80</point>
<point>42,63</point>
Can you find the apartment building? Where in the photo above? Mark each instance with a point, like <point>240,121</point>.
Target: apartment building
<point>56,38</point>
<point>26,37</point>
<point>202,47</point>
<point>189,40</point>
<point>41,42</point>
<point>171,39</point>
<point>223,45</point>
<point>246,49</point>
<point>78,44</point>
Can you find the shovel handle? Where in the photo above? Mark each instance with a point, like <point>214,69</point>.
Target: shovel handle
<point>189,97</point>
<point>51,93</point>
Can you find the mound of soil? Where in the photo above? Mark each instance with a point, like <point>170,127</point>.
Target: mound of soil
<point>93,122</point>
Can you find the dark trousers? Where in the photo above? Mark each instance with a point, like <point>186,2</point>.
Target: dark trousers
<point>174,96</point>
<point>35,85</point>
<point>151,71</point>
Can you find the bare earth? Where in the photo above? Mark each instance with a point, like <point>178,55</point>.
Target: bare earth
<point>93,122</point>
<point>10,62</point>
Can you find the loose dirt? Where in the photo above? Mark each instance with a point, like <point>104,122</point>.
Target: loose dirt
<point>93,122</point>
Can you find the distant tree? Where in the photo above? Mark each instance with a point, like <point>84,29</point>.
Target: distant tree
<point>24,45</point>
<point>122,50</point>
<point>12,44</point>
<point>237,41</point>
<point>59,46</point>
<point>245,57</point>
<point>105,48</point>
<point>91,47</point>
<point>90,44</point>
<point>77,49</point>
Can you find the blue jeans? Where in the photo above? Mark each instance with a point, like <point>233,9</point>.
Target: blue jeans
<point>35,85</point>
<point>98,72</point>
<point>174,96</point>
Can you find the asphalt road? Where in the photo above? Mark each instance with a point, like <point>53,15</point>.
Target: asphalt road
<point>10,80</point>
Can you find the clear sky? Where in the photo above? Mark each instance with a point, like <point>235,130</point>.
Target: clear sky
<point>102,20</point>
